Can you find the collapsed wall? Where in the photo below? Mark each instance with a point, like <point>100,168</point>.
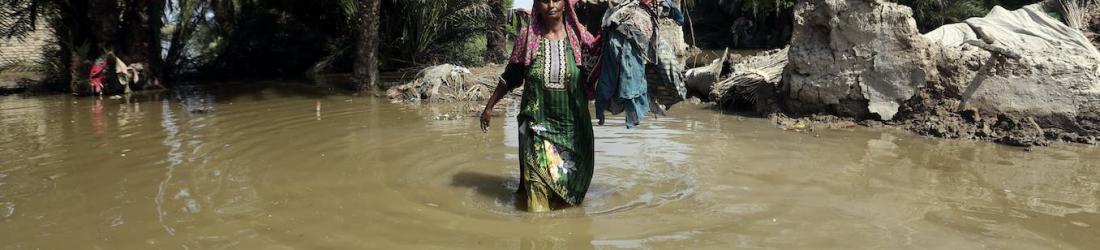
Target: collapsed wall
<point>1032,69</point>
<point>854,58</point>
<point>1016,77</point>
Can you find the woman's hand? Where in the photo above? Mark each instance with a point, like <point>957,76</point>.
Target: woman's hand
<point>486,115</point>
<point>502,88</point>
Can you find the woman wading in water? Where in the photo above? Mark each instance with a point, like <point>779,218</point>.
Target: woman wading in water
<point>555,128</point>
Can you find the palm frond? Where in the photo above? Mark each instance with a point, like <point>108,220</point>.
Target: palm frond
<point>1077,12</point>
<point>350,8</point>
<point>421,28</point>
<point>19,17</point>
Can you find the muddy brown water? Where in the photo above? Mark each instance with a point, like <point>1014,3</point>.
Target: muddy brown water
<point>286,168</point>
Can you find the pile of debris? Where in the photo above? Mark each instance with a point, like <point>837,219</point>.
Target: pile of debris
<point>447,83</point>
<point>1017,77</point>
<point>753,83</point>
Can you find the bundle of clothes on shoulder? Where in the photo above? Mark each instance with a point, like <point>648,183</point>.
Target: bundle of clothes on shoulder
<point>629,42</point>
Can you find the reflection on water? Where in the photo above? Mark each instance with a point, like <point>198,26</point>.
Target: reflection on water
<point>289,166</point>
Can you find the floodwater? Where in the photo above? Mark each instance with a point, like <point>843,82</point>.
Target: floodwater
<point>291,167</point>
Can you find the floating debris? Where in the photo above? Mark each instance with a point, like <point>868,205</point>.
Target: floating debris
<point>7,209</point>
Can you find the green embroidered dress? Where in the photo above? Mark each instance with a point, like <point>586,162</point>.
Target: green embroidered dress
<point>555,130</point>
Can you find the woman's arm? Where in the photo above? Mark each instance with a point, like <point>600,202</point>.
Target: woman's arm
<point>509,80</point>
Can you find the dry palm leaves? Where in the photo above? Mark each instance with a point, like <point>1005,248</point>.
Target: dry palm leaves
<point>753,83</point>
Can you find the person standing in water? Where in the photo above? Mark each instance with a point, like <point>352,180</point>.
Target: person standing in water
<point>555,127</point>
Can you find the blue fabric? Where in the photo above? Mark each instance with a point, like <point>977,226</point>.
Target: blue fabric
<point>674,12</point>
<point>622,83</point>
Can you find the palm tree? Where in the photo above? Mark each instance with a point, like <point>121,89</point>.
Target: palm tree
<point>366,61</point>
<point>85,29</point>
<point>188,14</point>
<point>141,43</point>
<point>418,31</point>
<point>496,40</point>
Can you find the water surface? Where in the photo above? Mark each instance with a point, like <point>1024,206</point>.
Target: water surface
<point>291,167</point>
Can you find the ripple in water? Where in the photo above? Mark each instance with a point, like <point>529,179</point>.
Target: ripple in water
<point>636,168</point>
<point>283,169</point>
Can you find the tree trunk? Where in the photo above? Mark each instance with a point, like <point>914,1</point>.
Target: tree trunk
<point>496,41</point>
<point>71,61</point>
<point>366,61</point>
<point>75,32</point>
<point>104,17</point>
<point>188,18</point>
<point>65,46</point>
<point>141,44</point>
<point>175,47</point>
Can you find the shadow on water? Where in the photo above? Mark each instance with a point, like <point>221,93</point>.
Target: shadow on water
<point>491,186</point>
<point>505,190</point>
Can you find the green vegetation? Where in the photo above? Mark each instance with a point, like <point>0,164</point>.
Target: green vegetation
<point>751,23</point>
<point>249,38</point>
<point>931,14</point>
<point>759,6</point>
<point>432,31</point>
<point>184,39</point>
<point>89,29</point>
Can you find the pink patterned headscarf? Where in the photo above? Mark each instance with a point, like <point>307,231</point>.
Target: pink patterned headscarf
<point>527,42</point>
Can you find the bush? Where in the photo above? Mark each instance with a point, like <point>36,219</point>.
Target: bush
<point>931,14</point>
<point>431,31</point>
<point>469,52</point>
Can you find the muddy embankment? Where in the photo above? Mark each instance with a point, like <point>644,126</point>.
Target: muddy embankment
<point>1015,77</point>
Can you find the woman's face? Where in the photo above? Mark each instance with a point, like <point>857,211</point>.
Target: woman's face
<point>551,9</point>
